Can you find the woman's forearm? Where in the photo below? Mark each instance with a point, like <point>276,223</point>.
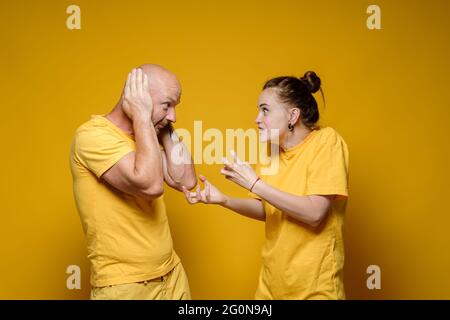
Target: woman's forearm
<point>307,209</point>
<point>251,208</point>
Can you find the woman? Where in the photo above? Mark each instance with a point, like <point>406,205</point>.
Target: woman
<point>302,204</point>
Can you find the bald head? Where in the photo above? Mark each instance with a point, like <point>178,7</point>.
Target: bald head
<point>160,78</point>
<point>165,91</point>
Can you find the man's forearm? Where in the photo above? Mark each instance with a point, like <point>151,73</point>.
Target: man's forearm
<point>181,169</point>
<point>148,167</point>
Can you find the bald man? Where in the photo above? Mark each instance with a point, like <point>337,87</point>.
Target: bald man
<point>119,162</point>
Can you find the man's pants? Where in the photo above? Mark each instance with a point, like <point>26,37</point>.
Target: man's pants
<point>172,286</point>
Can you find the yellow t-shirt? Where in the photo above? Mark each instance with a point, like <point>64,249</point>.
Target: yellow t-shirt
<point>128,239</point>
<point>299,261</point>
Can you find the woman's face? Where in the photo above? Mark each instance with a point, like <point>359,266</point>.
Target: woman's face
<point>273,117</point>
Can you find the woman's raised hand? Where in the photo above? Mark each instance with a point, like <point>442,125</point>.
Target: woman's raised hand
<point>209,195</point>
<point>239,172</point>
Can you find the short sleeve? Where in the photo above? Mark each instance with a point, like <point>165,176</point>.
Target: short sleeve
<point>98,149</point>
<point>328,170</point>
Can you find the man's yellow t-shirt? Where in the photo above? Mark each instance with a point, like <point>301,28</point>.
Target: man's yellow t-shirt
<point>128,239</point>
<point>299,261</point>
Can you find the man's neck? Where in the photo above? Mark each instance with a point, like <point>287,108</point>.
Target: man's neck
<point>120,119</point>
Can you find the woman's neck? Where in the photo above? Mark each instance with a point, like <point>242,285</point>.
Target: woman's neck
<point>295,137</point>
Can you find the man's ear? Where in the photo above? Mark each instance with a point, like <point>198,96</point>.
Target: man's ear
<point>295,115</point>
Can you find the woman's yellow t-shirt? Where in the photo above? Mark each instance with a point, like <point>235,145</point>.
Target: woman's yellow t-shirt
<point>299,261</point>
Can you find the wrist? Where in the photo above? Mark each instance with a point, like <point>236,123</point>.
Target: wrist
<point>173,135</point>
<point>143,119</point>
<point>257,186</point>
<point>164,136</point>
<point>225,201</point>
<point>252,186</point>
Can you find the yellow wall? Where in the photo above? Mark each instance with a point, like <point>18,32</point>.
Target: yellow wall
<point>386,92</point>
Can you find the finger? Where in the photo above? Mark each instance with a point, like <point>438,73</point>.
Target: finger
<point>225,169</point>
<point>133,82</point>
<point>234,160</point>
<point>185,191</point>
<point>139,82</point>
<point>186,194</point>
<point>203,196</point>
<point>227,164</point>
<point>227,173</point>
<point>232,179</point>
<point>207,187</point>
<point>207,191</point>
<point>145,87</point>
<point>194,198</point>
<point>235,157</point>
<point>225,161</point>
<point>232,167</point>
<point>198,195</point>
<point>127,86</point>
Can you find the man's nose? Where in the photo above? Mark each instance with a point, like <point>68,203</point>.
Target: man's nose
<point>171,116</point>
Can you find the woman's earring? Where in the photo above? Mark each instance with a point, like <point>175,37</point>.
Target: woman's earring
<point>290,127</point>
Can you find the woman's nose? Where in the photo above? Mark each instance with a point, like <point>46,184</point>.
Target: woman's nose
<point>258,118</point>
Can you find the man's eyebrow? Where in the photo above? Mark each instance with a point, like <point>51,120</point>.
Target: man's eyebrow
<point>169,99</point>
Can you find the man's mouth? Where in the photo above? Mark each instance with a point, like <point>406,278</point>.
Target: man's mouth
<point>160,125</point>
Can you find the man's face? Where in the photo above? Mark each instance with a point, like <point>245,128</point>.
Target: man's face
<point>165,92</point>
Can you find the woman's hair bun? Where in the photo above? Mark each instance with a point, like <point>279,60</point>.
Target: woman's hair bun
<point>311,80</point>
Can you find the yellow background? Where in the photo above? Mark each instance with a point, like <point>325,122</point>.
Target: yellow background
<point>386,92</point>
